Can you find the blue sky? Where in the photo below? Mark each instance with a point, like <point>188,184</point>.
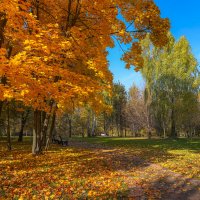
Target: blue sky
<point>184,17</point>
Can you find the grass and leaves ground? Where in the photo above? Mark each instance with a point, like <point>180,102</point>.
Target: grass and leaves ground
<point>102,168</point>
<point>180,155</point>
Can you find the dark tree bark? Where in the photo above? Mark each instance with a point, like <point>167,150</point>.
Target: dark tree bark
<point>148,121</point>
<point>125,130</point>
<point>88,126</point>
<point>104,123</point>
<point>69,125</point>
<point>173,125</point>
<point>121,124</point>
<point>49,138</point>
<point>45,125</point>
<point>1,107</point>
<point>24,118</point>
<point>8,128</point>
<point>70,128</point>
<point>3,22</point>
<point>83,130</point>
<point>37,143</point>
<point>173,121</point>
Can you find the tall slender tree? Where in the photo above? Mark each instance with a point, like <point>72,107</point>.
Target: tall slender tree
<point>170,81</point>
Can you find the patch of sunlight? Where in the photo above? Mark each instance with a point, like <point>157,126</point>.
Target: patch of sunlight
<point>129,138</point>
<point>9,161</point>
<point>88,159</point>
<point>77,154</point>
<point>194,142</point>
<point>20,172</point>
<point>52,151</point>
<point>156,146</point>
<point>108,150</point>
<point>179,152</point>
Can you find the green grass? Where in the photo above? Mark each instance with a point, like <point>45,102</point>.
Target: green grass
<point>180,155</point>
<point>104,173</point>
<point>162,144</point>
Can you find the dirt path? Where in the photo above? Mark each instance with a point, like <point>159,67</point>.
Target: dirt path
<point>146,180</point>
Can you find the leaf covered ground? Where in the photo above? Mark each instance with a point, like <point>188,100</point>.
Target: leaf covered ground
<point>103,168</point>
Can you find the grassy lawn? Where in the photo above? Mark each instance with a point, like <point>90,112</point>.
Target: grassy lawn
<point>102,173</point>
<point>181,155</point>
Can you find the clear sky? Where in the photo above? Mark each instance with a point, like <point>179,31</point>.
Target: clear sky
<point>184,17</point>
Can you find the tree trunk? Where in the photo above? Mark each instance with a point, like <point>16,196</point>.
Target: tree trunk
<point>45,125</point>
<point>125,127</point>
<point>37,143</point>
<point>88,126</point>
<point>8,128</point>
<point>148,121</point>
<point>83,131</point>
<point>70,126</point>
<point>35,132</point>
<point>112,125</point>
<point>21,133</point>
<point>112,131</point>
<point>121,123</point>
<point>164,132</point>
<point>104,123</point>
<point>149,134</point>
<point>118,130</point>
<point>49,138</point>
<point>133,131</point>
<point>23,123</point>
<point>3,22</point>
<point>173,122</point>
<point>1,107</point>
<point>37,9</point>
<point>93,125</point>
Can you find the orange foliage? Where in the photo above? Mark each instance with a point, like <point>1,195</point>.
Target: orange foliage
<point>56,50</point>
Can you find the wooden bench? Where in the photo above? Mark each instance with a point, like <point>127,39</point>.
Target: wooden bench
<point>63,141</point>
<point>60,140</point>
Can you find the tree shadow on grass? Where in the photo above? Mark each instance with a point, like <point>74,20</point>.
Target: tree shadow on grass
<point>165,144</point>
<point>75,169</point>
<point>167,187</point>
<point>81,162</point>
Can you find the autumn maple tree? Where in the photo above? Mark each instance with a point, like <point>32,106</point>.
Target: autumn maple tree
<point>53,54</point>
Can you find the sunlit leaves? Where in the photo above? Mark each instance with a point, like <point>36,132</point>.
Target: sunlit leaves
<point>130,168</point>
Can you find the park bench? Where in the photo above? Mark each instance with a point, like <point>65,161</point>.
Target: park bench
<point>63,141</point>
<point>58,139</point>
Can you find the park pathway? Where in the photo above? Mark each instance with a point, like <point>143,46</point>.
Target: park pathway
<point>146,180</point>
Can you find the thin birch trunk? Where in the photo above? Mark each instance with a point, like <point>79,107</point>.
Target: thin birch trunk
<point>8,128</point>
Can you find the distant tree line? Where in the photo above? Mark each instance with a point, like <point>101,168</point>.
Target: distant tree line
<point>169,105</point>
